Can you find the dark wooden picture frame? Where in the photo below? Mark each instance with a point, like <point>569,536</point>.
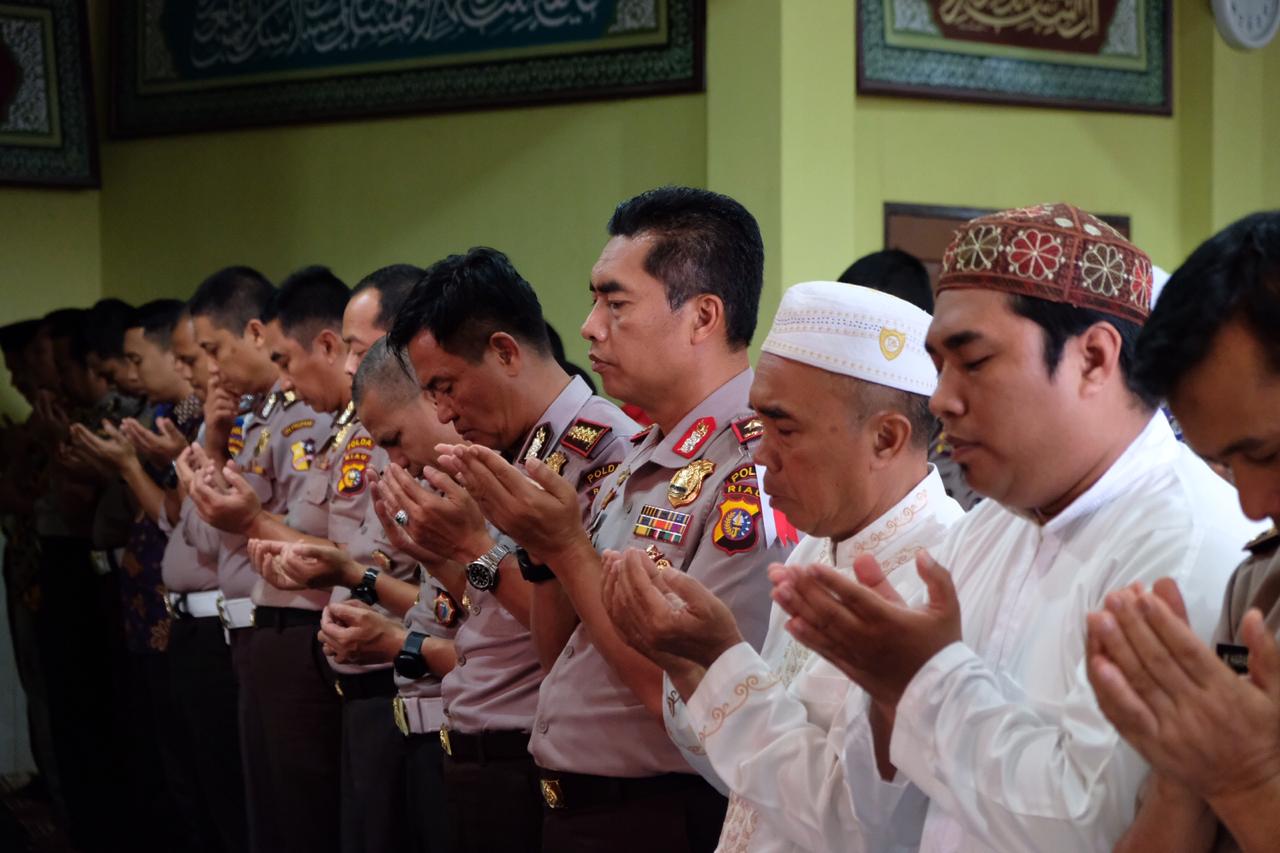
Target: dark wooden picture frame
<point>374,80</point>
<point>1016,73</point>
<point>48,134</point>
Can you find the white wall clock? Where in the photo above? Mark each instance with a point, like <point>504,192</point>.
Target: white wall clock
<point>1247,24</point>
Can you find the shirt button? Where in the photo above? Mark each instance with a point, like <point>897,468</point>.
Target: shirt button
<point>568,652</point>
<point>542,727</point>
<point>475,609</point>
<point>462,660</point>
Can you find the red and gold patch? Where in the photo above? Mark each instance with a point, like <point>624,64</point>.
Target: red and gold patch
<point>354,461</point>
<point>583,437</point>
<point>748,429</point>
<point>691,442</point>
<point>445,608</point>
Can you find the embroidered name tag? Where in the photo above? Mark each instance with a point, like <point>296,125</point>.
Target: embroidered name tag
<point>665,525</point>
<point>1236,657</point>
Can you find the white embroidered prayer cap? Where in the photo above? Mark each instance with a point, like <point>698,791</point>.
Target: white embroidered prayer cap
<point>854,331</point>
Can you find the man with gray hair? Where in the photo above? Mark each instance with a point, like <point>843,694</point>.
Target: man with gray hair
<point>842,389</point>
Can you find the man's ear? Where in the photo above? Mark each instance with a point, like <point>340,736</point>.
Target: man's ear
<point>254,332</point>
<point>330,345</point>
<point>507,350</point>
<point>708,317</point>
<point>1099,348</point>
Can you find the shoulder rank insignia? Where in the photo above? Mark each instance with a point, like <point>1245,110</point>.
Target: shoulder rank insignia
<point>304,452</point>
<point>537,442</point>
<point>288,398</point>
<point>641,435</point>
<point>696,436</point>
<point>346,416</point>
<point>445,609</point>
<point>583,437</point>
<point>665,525</point>
<point>268,406</point>
<point>264,438</point>
<point>1265,542</point>
<point>748,429</point>
<point>354,463</point>
<point>686,485</point>
<point>297,425</point>
<point>556,461</point>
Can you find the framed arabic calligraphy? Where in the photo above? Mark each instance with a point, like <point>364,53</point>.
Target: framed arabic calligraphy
<point>1076,54</point>
<point>47,132</point>
<point>191,65</point>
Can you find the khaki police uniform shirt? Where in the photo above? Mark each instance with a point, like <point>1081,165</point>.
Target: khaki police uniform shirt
<point>494,686</point>
<point>353,522</point>
<point>272,448</point>
<point>437,615</point>
<point>691,498</point>
<point>1256,583</point>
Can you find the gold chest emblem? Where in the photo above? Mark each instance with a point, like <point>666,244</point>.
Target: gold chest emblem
<point>687,482</point>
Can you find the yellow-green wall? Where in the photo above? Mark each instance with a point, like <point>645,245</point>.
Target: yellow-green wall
<point>779,127</point>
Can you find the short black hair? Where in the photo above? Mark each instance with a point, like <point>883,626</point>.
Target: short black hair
<point>71,324</point>
<point>380,368</point>
<point>308,301</point>
<point>108,319</point>
<point>557,351</point>
<point>393,283</point>
<point>464,300</point>
<point>704,242</point>
<point>896,273</point>
<point>231,297</point>
<point>157,320</point>
<point>16,337</point>
<point>1234,276</point>
<point>1061,322</point>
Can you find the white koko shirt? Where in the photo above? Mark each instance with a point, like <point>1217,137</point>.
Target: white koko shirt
<point>773,725</point>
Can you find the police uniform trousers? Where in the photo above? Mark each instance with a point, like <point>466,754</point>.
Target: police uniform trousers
<point>491,790</point>
<point>80,653</point>
<point>204,695</point>
<point>424,800</point>
<point>374,817</point>
<point>291,730</point>
<point>674,813</point>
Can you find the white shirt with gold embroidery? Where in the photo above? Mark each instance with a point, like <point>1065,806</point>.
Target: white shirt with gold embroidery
<point>773,725</point>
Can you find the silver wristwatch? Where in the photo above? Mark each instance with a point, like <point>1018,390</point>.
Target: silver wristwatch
<point>482,572</point>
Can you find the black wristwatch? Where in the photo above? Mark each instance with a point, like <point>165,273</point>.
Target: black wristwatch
<point>409,662</point>
<point>531,571</point>
<point>482,572</point>
<point>367,589</point>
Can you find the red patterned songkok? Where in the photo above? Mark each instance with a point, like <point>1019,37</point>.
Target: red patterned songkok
<point>1053,252</point>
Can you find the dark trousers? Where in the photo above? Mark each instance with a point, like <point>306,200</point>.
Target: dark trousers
<point>685,817</point>
<point>373,766</point>
<point>291,730</point>
<point>204,695</point>
<point>425,801</point>
<point>494,806</point>
<point>81,656</point>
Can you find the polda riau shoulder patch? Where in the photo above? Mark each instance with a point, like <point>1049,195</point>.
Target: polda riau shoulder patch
<point>355,460</point>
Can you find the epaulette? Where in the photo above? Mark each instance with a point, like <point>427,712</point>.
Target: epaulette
<point>642,434</point>
<point>583,436</point>
<point>268,406</point>
<point>1264,543</point>
<point>538,443</point>
<point>288,398</point>
<point>748,429</point>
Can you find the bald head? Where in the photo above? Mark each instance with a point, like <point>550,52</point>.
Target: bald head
<point>382,372</point>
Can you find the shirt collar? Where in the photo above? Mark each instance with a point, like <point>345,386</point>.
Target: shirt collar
<point>723,404</point>
<point>1156,446</point>
<point>917,506</point>
<point>558,415</point>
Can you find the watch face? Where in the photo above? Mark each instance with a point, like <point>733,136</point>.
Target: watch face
<point>481,576</point>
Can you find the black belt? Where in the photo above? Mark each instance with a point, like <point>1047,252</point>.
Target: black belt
<point>367,685</point>
<point>285,617</point>
<point>485,746</point>
<point>579,791</point>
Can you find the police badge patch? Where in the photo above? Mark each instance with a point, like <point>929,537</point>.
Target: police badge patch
<point>445,609</point>
<point>737,527</point>
<point>303,452</point>
<point>354,462</point>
